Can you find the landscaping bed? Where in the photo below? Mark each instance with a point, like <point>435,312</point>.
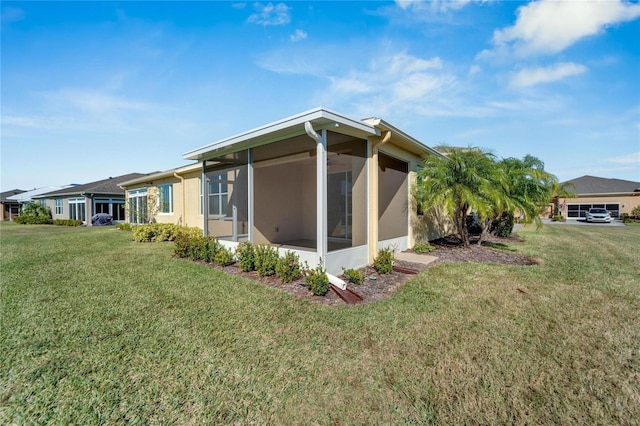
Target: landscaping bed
<point>378,286</point>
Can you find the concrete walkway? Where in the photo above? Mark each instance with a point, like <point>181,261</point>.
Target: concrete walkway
<point>424,259</point>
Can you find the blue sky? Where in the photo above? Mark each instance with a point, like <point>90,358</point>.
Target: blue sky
<point>98,89</point>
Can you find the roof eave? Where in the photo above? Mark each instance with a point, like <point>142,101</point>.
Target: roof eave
<point>419,148</point>
<point>320,118</point>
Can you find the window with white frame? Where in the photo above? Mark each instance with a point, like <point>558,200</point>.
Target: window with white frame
<point>137,200</point>
<point>77,209</point>
<point>58,206</point>
<point>218,195</point>
<point>165,198</point>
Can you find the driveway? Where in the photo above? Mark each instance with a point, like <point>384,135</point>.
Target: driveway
<point>582,222</point>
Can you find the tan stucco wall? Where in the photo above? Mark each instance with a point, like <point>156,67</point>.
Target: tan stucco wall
<point>186,199</point>
<point>627,203</point>
<point>279,200</point>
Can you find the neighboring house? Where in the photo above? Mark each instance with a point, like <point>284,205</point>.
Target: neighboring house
<point>10,208</point>
<point>25,197</point>
<point>173,196</point>
<point>616,195</point>
<point>80,202</point>
<point>331,188</point>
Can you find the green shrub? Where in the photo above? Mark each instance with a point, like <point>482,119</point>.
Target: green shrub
<point>245,254</point>
<point>124,226</point>
<point>384,261</point>
<point>355,276</point>
<point>213,247</point>
<point>503,225</point>
<point>423,247</point>
<point>223,256</point>
<point>288,267</point>
<point>266,259</point>
<point>635,213</point>
<point>317,280</point>
<point>157,232</point>
<point>34,214</point>
<point>198,248</point>
<point>33,220</point>
<point>67,222</point>
<point>559,218</point>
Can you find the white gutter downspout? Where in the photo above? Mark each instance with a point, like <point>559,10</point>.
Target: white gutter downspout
<point>321,188</point>
<point>374,195</point>
<point>184,216</point>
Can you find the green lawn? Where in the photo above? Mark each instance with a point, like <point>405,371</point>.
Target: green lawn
<point>96,329</point>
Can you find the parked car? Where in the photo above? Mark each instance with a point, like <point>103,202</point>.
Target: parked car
<point>598,215</point>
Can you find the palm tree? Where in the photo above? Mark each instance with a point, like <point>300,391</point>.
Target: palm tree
<point>527,186</point>
<point>560,190</point>
<point>461,183</point>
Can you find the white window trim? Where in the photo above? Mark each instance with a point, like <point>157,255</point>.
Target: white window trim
<point>223,179</point>
<point>59,209</point>
<point>160,212</point>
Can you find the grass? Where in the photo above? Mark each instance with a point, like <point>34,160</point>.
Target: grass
<point>96,329</point>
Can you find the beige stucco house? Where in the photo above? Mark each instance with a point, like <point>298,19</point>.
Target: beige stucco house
<point>616,195</point>
<point>332,188</point>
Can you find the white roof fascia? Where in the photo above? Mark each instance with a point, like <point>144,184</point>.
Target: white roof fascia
<point>28,195</point>
<point>421,147</point>
<point>161,175</point>
<point>291,126</point>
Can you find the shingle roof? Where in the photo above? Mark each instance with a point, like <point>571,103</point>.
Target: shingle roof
<point>4,195</point>
<point>102,187</point>
<point>597,185</point>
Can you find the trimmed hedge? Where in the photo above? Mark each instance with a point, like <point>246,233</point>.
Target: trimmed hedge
<point>67,222</point>
<point>33,220</point>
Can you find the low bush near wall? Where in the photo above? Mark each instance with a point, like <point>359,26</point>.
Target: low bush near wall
<point>384,261</point>
<point>424,247</point>
<point>33,220</point>
<point>317,280</point>
<point>355,276</point>
<point>158,232</point>
<point>67,222</point>
<point>124,226</point>
<point>245,255</point>
<point>288,267</point>
<point>266,259</point>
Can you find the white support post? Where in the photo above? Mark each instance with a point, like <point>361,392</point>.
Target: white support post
<point>321,195</point>
<point>205,199</point>
<point>250,193</point>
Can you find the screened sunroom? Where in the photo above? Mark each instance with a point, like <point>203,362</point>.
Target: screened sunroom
<point>314,183</point>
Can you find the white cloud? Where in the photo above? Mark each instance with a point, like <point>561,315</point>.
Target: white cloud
<point>549,26</point>
<point>239,5</point>
<point>532,76</point>
<point>298,35</point>
<point>633,159</point>
<point>474,69</point>
<point>434,6</point>
<point>268,14</point>
<point>96,102</point>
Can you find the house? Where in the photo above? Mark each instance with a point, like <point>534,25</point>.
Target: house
<point>24,197</point>
<point>79,202</point>
<point>172,196</point>
<point>10,208</point>
<point>329,187</point>
<point>616,195</point>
